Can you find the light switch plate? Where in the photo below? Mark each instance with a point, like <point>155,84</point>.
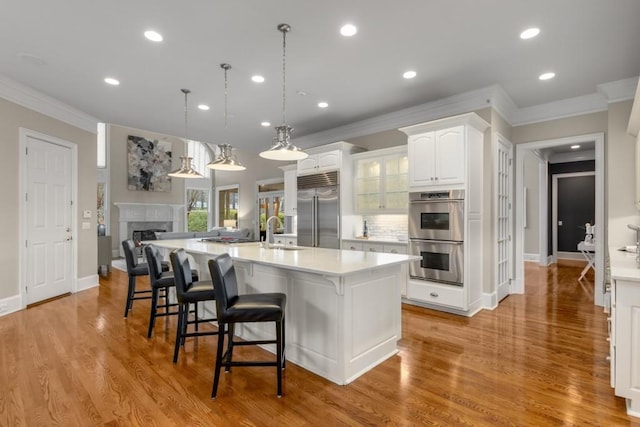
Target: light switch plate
<point>86,225</point>
<point>86,214</point>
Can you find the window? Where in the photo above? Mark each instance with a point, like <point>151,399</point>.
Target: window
<point>228,198</point>
<point>102,145</point>
<point>198,191</point>
<point>197,209</point>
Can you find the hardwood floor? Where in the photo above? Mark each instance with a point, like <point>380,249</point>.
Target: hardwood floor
<point>536,360</point>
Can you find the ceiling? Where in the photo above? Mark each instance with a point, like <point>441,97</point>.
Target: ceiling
<point>66,49</point>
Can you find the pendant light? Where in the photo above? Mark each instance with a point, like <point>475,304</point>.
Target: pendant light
<point>186,170</point>
<point>226,160</point>
<point>282,149</point>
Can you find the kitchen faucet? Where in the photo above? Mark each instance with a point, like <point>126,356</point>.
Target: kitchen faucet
<point>269,235</point>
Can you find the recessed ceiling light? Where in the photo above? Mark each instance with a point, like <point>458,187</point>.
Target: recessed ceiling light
<point>575,147</point>
<point>529,33</point>
<point>348,30</point>
<point>323,104</point>
<point>409,74</point>
<point>257,79</point>
<point>203,107</point>
<point>111,81</point>
<point>265,124</point>
<point>547,76</point>
<point>154,36</point>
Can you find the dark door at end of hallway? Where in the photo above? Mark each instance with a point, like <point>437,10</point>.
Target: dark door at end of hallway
<point>576,207</point>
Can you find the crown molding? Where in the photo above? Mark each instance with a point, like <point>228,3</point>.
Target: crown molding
<point>32,99</point>
<point>620,90</point>
<point>564,108</point>
<point>445,107</point>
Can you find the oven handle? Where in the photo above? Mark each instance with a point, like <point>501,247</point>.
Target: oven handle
<point>446,242</point>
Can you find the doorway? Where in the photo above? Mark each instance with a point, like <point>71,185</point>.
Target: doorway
<point>597,139</point>
<point>48,168</point>
<point>573,206</point>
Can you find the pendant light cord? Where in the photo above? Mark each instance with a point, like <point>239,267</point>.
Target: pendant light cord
<point>284,78</point>
<point>226,67</point>
<point>186,143</point>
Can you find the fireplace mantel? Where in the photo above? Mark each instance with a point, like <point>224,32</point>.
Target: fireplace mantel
<point>146,212</point>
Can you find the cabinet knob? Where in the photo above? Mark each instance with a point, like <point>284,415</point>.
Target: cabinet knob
<point>434,294</point>
<point>353,248</point>
<point>372,250</point>
<point>393,251</point>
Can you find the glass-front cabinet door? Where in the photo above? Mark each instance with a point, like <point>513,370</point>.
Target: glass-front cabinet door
<point>368,184</point>
<point>396,185</point>
<point>381,184</point>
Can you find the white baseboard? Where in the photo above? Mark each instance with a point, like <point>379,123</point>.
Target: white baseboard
<point>571,255</point>
<point>87,282</point>
<point>532,257</point>
<point>10,305</point>
<point>489,300</point>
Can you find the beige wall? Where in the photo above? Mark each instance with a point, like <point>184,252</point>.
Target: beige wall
<point>12,117</point>
<point>118,175</point>
<point>571,126</point>
<point>620,177</point>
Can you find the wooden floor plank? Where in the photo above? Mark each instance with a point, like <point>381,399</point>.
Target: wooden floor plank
<point>537,359</point>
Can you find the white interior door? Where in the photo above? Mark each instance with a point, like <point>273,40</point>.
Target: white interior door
<point>504,214</point>
<point>48,216</point>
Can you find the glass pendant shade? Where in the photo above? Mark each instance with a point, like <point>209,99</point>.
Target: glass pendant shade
<point>186,169</point>
<point>226,161</point>
<point>282,149</point>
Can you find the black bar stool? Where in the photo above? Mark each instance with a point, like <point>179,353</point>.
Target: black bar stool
<point>188,292</point>
<point>160,281</point>
<point>232,308</point>
<point>135,269</point>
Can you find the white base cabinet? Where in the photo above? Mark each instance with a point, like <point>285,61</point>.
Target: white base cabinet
<point>625,342</point>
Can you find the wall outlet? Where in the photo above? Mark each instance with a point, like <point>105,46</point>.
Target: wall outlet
<point>86,225</point>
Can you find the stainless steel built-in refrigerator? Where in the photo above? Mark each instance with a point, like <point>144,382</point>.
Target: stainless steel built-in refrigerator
<point>319,210</point>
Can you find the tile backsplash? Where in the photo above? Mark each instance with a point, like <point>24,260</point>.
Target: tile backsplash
<point>385,226</point>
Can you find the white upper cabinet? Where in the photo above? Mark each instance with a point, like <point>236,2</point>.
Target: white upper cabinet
<point>438,151</point>
<point>381,181</point>
<point>320,162</point>
<point>438,157</point>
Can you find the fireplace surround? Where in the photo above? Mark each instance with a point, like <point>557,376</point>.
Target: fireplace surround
<point>145,217</point>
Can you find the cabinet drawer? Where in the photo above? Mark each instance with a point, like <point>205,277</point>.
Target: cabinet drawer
<point>352,246</point>
<point>434,293</point>
<point>373,247</point>
<point>395,249</point>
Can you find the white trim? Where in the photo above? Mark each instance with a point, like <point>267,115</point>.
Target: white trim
<point>569,255</point>
<point>87,282</point>
<point>561,109</point>
<point>532,258</point>
<point>598,138</point>
<point>491,96</point>
<point>620,90</point>
<point>22,207</point>
<point>10,305</point>
<point>543,213</point>
<point>44,104</point>
<point>554,208</point>
<point>489,300</point>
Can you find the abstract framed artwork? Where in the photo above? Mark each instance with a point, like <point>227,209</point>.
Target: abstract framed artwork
<point>149,163</point>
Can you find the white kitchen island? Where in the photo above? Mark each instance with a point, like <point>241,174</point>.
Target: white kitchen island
<point>343,313</point>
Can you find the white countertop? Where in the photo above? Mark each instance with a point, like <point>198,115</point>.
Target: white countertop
<point>623,265</point>
<point>332,262</point>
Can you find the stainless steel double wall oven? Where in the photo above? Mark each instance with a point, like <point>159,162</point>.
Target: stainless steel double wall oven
<point>436,235</point>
